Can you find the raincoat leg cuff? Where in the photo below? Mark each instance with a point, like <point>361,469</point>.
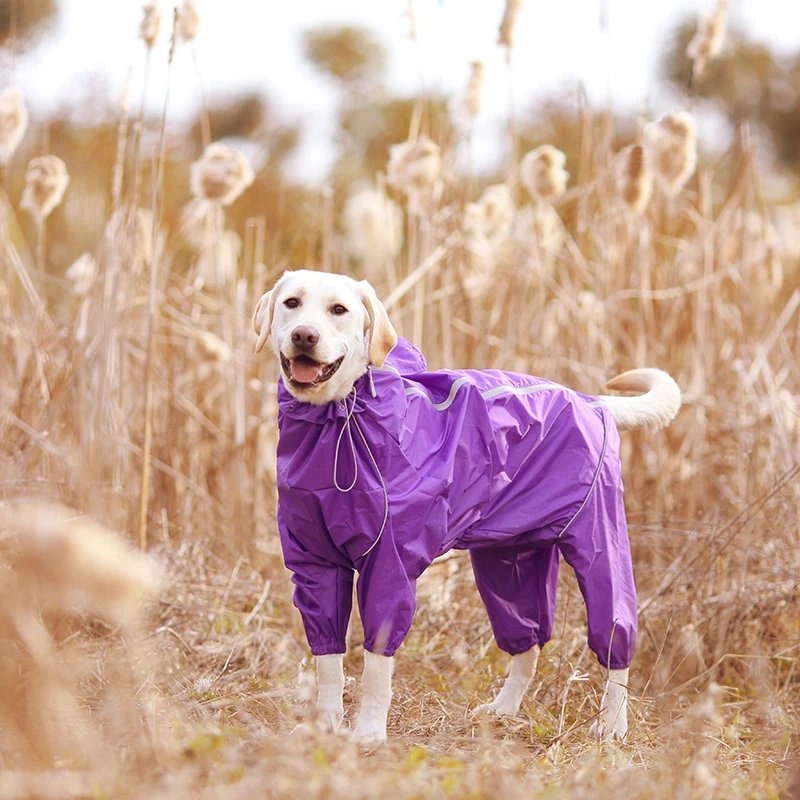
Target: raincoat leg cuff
<point>328,648</point>
<point>389,649</point>
<point>516,647</point>
<point>612,664</point>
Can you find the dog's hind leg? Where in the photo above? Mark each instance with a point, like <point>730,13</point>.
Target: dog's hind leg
<point>518,588</point>
<point>596,546</point>
<point>509,698</point>
<point>613,720</point>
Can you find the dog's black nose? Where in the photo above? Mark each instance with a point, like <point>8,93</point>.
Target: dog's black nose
<point>304,337</point>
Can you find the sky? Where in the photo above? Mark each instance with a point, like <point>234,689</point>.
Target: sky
<point>247,45</point>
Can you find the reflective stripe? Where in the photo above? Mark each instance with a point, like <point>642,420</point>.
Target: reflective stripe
<point>445,404</point>
<point>488,394</point>
<point>537,387</point>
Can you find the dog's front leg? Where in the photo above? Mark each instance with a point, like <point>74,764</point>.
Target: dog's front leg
<point>330,689</point>
<point>509,699</point>
<point>376,696</point>
<point>613,721</point>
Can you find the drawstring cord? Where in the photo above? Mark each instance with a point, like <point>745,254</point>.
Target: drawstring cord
<point>346,427</point>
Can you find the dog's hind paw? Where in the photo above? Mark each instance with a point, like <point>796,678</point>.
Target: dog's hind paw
<point>497,707</point>
<point>602,730</point>
<point>328,720</point>
<point>321,722</point>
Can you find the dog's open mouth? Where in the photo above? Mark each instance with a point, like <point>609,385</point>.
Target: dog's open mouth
<point>304,371</point>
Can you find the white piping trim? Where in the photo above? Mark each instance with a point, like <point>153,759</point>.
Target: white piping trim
<point>383,486</point>
<point>594,480</point>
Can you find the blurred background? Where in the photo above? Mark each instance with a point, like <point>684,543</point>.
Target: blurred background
<point>314,94</point>
<point>621,50</point>
<point>568,189</point>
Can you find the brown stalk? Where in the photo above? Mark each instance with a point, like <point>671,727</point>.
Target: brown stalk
<point>157,171</point>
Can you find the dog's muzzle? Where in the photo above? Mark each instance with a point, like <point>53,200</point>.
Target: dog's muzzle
<point>305,372</point>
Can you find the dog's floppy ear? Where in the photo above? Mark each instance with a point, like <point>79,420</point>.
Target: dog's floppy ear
<point>262,318</point>
<point>265,309</point>
<point>382,335</point>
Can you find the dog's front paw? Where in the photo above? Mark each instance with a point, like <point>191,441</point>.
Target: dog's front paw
<point>328,719</point>
<point>501,707</point>
<point>614,731</point>
<point>370,730</point>
<point>369,735</point>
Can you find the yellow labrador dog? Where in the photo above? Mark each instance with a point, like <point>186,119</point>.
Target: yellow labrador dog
<point>383,466</point>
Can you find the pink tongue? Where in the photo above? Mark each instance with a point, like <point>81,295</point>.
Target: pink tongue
<point>304,371</point>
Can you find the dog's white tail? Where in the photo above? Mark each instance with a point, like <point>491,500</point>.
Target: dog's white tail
<point>658,405</point>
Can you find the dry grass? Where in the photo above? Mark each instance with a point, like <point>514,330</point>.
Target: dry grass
<point>197,698</point>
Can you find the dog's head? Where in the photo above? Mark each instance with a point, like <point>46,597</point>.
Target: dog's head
<point>326,329</point>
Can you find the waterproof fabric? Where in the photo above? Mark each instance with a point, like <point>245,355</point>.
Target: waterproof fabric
<point>412,463</point>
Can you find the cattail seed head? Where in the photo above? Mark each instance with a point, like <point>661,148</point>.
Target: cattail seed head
<point>81,274</point>
<point>221,175</point>
<point>496,212</point>
<point>218,262</point>
<point>214,346</point>
<point>592,308</point>
<point>465,107</point>
<point>151,23</point>
<point>671,145</point>
<point>707,43</point>
<point>46,181</point>
<point>13,122</point>
<point>508,23</point>
<point>542,173</point>
<point>128,237</point>
<point>373,226</point>
<point>487,228</point>
<point>415,168</point>
<point>539,222</point>
<point>77,562</point>
<point>634,178</point>
<point>188,21</point>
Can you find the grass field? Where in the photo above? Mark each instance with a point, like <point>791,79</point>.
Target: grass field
<point>130,396</point>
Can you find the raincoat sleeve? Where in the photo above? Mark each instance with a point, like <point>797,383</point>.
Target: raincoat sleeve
<point>386,594</point>
<point>323,594</point>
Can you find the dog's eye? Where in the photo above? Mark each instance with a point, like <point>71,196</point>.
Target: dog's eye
<point>338,310</point>
<point>292,302</point>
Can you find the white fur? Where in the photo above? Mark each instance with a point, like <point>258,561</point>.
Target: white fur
<point>656,408</point>
<point>613,721</point>
<point>509,698</point>
<point>364,335</point>
<point>330,689</point>
<point>361,335</point>
<point>376,697</point>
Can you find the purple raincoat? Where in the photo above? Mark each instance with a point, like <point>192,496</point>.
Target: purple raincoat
<point>513,468</point>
